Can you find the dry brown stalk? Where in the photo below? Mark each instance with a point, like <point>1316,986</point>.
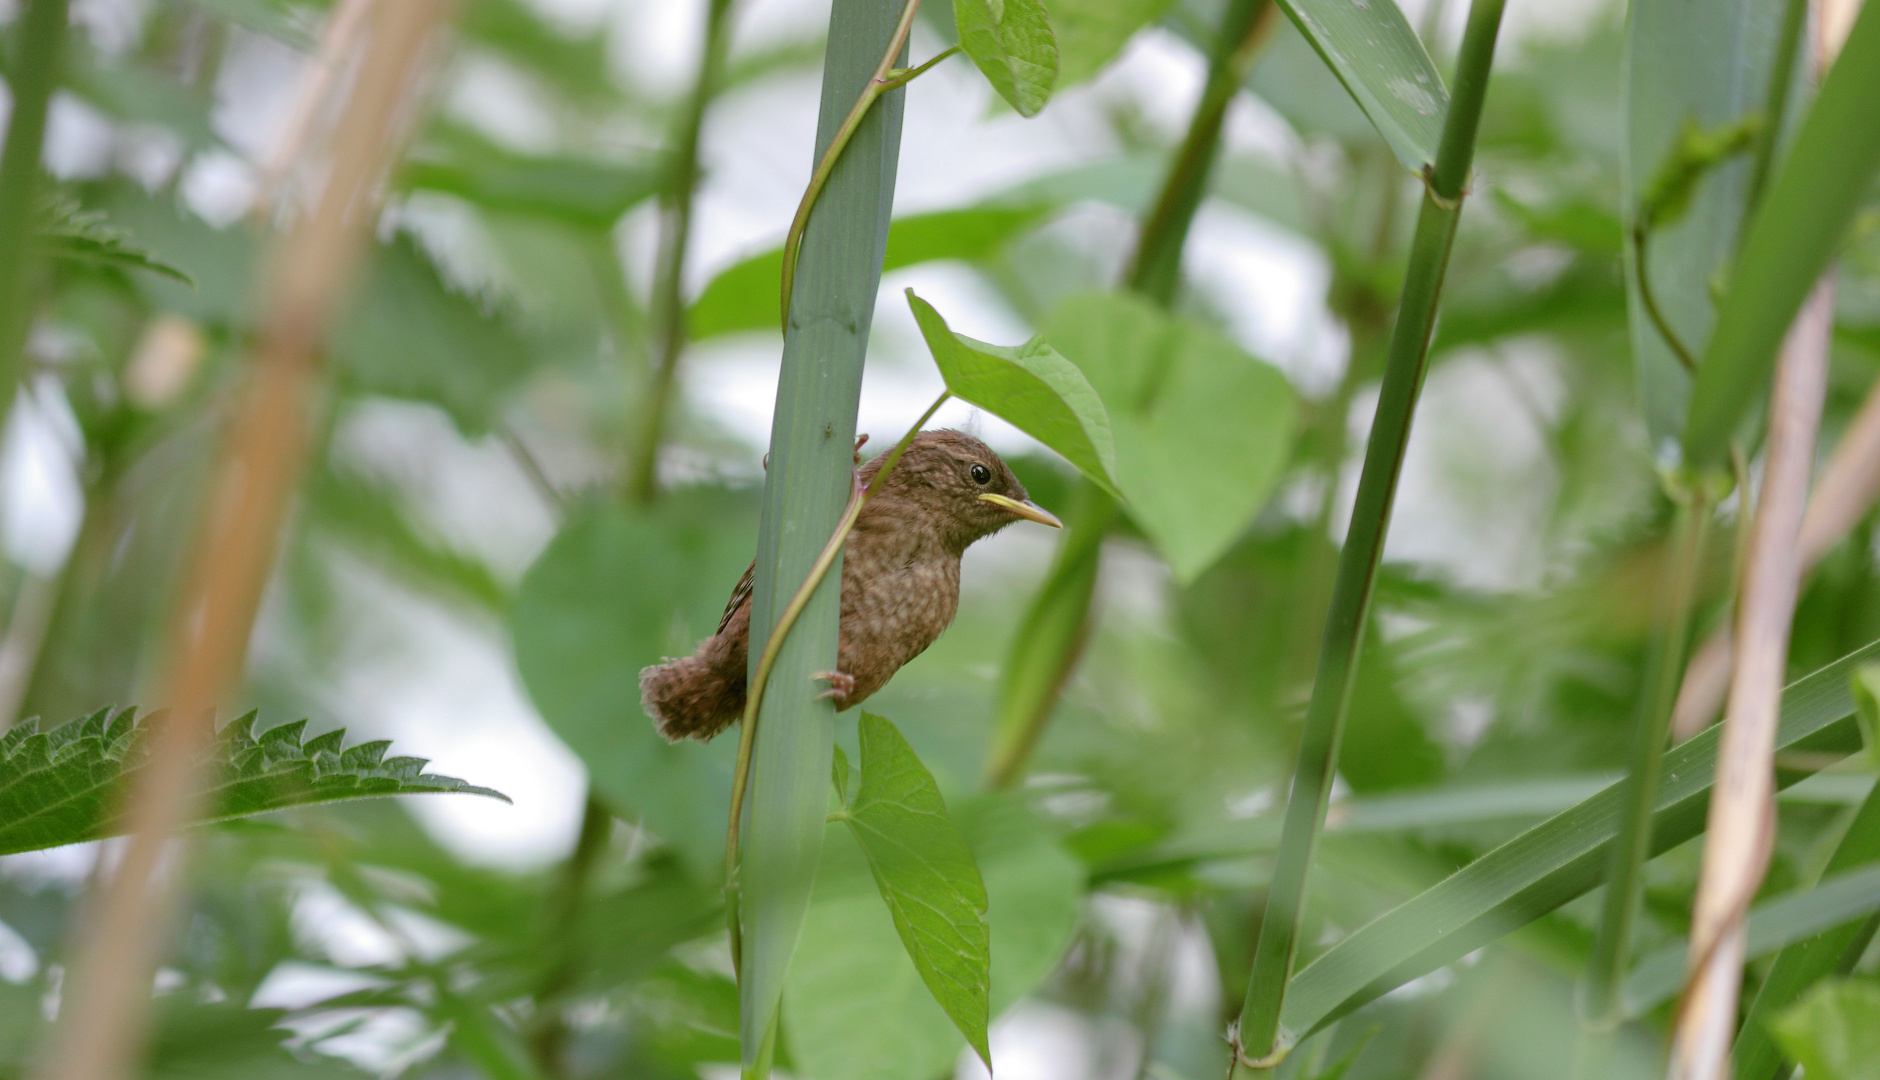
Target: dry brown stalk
<point>1742,807</point>
<point>123,926</point>
<point>338,41</point>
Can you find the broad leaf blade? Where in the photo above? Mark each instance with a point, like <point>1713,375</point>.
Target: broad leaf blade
<point>927,876</point>
<point>743,297</point>
<point>1550,864</point>
<point>1012,43</point>
<point>62,786</point>
<point>1374,52</point>
<point>1797,229</point>
<point>1031,387</point>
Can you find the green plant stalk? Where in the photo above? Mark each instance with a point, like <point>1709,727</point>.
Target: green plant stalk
<point>760,678</point>
<point>806,489</point>
<point>885,78</point>
<point>1781,75</point>
<point>1641,235</point>
<point>1800,965</point>
<point>39,51</point>
<point>1056,626</point>
<point>1258,1040</point>
<point>675,235</point>
<point>1601,1003</point>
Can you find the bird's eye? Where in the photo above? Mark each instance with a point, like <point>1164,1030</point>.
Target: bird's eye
<point>981,475</point>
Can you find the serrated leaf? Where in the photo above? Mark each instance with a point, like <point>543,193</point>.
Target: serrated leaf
<point>1012,43</point>
<point>68,231</point>
<point>927,877</point>
<point>1834,1032</point>
<point>62,786</point>
<point>1202,429</point>
<point>1031,387</point>
<point>1374,52</point>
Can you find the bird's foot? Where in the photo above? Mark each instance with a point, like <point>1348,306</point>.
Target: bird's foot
<point>841,685</point>
<point>859,441</point>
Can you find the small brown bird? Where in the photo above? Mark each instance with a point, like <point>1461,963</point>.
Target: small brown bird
<point>900,584</point>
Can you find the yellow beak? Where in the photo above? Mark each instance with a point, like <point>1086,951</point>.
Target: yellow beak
<point>1028,510</point>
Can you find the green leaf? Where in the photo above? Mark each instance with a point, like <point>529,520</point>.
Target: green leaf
<point>1865,687</point>
<point>62,786</point>
<point>1031,387</point>
<point>410,335</point>
<point>1695,153</point>
<point>1800,224</point>
<point>855,1005</point>
<point>1834,1032</point>
<point>1553,862</point>
<point>1012,42</point>
<point>617,589</point>
<point>926,876</point>
<point>743,296</point>
<point>1090,33</point>
<point>583,192</point>
<point>69,232</point>
<point>1374,52</point>
<point>1773,924</point>
<point>1202,429</point>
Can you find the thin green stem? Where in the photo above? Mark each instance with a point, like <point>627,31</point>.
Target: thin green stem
<point>1640,236</point>
<point>1776,104</point>
<point>1601,1005</point>
<point>903,76</point>
<point>1258,1039</point>
<point>675,236</point>
<point>879,84</point>
<point>39,47</point>
<point>760,679</point>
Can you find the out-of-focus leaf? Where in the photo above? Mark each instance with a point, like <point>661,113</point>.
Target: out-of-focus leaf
<point>1375,53</point>
<point>1012,43</point>
<point>1773,924</point>
<point>584,192</point>
<point>575,64</point>
<point>1292,78</point>
<point>854,1007</point>
<point>1584,225</point>
<point>1091,32</point>
<point>1031,387</point>
<point>1555,861</point>
<point>67,231</point>
<point>222,262</point>
<point>1202,429</point>
<point>744,295</point>
<point>1801,222</point>
<point>1834,1032</point>
<point>616,590</point>
<point>409,335</point>
<point>926,875</point>
<point>61,786</point>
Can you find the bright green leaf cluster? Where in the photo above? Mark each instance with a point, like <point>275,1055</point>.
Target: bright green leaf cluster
<point>63,786</point>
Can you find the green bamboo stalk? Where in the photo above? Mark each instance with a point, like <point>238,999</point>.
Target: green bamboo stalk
<point>805,490</point>
<point>668,306</point>
<point>1258,1040</point>
<point>1798,966</point>
<point>1601,1004</point>
<point>1056,626</point>
<point>39,49</point>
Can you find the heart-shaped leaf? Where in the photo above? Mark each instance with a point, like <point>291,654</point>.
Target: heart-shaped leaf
<point>1202,429</point>
<point>1012,42</point>
<point>1031,387</point>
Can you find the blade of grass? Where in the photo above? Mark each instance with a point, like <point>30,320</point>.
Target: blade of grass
<point>1561,858</point>
<point>39,47</point>
<point>1052,635</point>
<point>838,274</point>
<point>118,946</point>
<point>1259,1040</point>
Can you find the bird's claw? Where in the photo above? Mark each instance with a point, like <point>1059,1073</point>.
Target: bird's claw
<point>859,440</point>
<point>841,684</point>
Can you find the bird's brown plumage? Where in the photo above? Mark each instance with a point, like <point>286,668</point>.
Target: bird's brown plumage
<point>900,585</point>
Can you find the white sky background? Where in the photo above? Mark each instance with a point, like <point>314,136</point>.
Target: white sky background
<point>441,683</point>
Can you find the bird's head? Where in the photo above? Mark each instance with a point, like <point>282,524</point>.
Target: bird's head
<point>955,485</point>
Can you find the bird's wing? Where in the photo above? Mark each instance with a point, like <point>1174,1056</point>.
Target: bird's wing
<point>739,595</point>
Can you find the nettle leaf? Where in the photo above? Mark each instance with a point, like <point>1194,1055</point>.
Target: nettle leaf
<point>1834,1032</point>
<point>61,786</point>
<point>1202,429</point>
<point>927,876</point>
<point>1012,42</point>
<point>69,232</point>
<point>1031,387</point>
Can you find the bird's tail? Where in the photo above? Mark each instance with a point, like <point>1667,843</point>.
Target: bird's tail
<point>688,698</point>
